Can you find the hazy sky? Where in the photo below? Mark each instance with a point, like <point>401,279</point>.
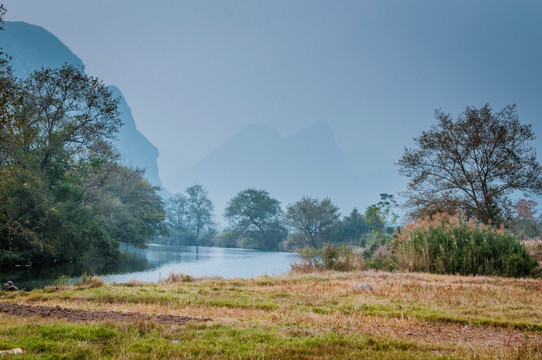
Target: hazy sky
<point>197,72</point>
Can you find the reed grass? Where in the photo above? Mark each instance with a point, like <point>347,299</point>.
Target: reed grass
<point>449,244</point>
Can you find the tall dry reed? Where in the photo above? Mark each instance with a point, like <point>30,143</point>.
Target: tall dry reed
<point>451,244</point>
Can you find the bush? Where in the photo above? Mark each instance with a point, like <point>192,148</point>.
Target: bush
<point>91,281</point>
<point>449,244</point>
<point>330,257</point>
<point>174,278</point>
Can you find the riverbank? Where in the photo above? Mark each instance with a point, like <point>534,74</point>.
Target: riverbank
<point>296,316</point>
<point>156,262</point>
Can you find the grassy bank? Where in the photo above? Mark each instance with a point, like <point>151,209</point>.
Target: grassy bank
<point>299,316</point>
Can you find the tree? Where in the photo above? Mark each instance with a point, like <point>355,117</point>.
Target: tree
<point>127,206</point>
<point>353,227</point>
<point>473,163</point>
<point>2,13</point>
<point>380,216</point>
<point>63,196</point>
<point>525,224</point>
<point>255,215</point>
<point>200,208</point>
<point>178,216</point>
<point>73,116</point>
<point>188,214</point>
<point>313,218</point>
<point>11,137</point>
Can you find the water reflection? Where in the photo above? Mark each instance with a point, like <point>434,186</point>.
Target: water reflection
<point>158,261</point>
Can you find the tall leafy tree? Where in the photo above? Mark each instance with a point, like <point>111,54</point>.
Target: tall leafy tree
<point>473,163</point>
<point>11,135</point>
<point>353,228</point>
<point>74,116</point>
<point>257,216</point>
<point>313,218</point>
<point>62,193</point>
<point>127,206</point>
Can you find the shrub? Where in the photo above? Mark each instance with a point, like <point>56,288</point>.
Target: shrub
<point>91,281</point>
<point>330,257</point>
<point>174,278</point>
<point>449,244</point>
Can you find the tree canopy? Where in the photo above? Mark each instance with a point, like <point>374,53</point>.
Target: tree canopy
<point>63,193</point>
<point>313,218</point>
<point>188,215</point>
<point>472,163</point>
<point>255,215</point>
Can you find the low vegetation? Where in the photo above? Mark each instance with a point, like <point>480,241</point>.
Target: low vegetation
<point>448,244</point>
<point>442,244</point>
<point>321,315</point>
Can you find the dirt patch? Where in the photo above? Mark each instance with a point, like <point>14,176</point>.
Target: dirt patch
<point>87,315</point>
<point>469,335</point>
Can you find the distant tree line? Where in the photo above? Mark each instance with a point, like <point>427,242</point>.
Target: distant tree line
<point>462,175</point>
<point>64,194</point>
<point>257,221</point>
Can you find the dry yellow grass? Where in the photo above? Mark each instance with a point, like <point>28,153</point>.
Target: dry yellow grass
<point>472,317</point>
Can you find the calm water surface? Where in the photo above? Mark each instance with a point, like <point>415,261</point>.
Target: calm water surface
<point>158,261</point>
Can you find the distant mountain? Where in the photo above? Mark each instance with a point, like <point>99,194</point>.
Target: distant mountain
<point>307,163</point>
<point>32,47</point>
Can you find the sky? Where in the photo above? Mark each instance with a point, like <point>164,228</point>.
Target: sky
<point>197,72</point>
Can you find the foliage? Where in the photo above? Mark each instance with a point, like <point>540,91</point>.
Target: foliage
<point>190,217</point>
<point>200,208</point>
<point>63,194</point>
<point>313,218</point>
<point>534,248</point>
<point>378,256</point>
<point>525,224</point>
<point>447,244</point>
<point>352,229</point>
<point>3,57</point>
<point>62,280</point>
<point>473,163</point>
<point>256,219</point>
<point>127,206</point>
<point>91,281</point>
<point>329,257</point>
<point>178,221</point>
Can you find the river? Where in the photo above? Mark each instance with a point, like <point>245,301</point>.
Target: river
<point>157,262</point>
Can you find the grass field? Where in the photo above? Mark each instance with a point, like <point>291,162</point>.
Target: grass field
<point>297,316</point>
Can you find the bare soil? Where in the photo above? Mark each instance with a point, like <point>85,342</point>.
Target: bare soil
<point>87,315</point>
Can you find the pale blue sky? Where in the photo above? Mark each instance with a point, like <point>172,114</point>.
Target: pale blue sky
<point>197,72</point>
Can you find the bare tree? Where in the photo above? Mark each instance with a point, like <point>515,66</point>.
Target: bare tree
<point>473,163</point>
<point>200,208</point>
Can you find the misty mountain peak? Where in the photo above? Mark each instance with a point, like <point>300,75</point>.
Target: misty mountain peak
<point>258,130</point>
<point>319,130</point>
<point>33,47</point>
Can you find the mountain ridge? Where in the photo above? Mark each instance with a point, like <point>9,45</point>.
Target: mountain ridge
<point>307,163</point>
<point>32,47</point>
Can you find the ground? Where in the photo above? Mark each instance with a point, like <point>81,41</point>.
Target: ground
<point>88,315</point>
<point>298,316</point>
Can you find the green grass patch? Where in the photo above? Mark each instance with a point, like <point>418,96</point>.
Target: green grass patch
<point>203,341</point>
